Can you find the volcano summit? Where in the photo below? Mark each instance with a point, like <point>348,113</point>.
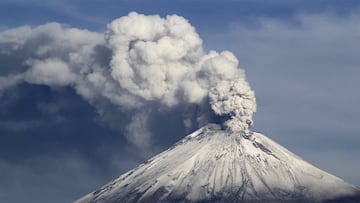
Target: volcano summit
<point>215,165</point>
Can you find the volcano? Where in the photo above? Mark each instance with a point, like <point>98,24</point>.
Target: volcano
<point>217,165</point>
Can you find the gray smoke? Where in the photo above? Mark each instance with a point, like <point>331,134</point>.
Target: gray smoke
<point>142,64</point>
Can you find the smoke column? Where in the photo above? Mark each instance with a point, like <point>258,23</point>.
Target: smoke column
<point>141,64</point>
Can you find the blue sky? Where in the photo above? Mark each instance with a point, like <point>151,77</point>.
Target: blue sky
<point>300,57</point>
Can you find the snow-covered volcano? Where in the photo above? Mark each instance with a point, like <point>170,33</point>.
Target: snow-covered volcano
<point>215,165</point>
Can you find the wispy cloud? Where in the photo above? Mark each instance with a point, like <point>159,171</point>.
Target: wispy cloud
<point>20,126</point>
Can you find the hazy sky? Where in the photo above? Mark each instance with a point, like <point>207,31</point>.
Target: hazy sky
<point>301,59</point>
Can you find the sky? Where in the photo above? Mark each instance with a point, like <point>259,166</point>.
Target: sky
<point>56,144</point>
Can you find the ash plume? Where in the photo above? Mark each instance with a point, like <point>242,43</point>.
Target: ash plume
<point>142,65</point>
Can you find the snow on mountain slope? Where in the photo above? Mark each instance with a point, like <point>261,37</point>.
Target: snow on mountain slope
<point>213,165</point>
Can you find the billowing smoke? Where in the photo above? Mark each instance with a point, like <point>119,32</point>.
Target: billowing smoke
<point>142,64</point>
<point>236,100</point>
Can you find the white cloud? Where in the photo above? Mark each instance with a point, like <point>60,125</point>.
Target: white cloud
<point>49,72</point>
